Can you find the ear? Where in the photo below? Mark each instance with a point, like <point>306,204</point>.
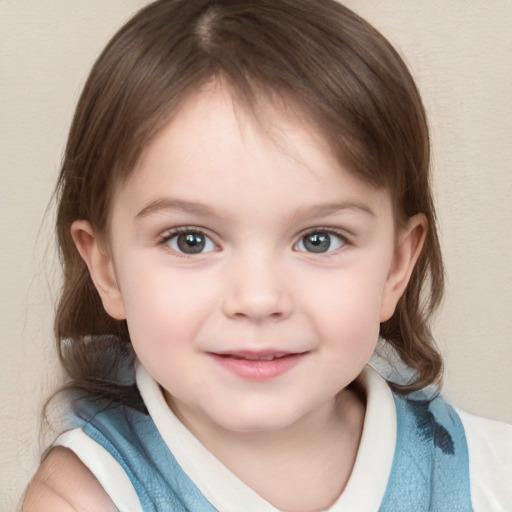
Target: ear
<point>409,246</point>
<point>95,253</point>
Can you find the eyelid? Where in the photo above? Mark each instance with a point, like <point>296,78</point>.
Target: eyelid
<point>171,233</point>
<point>328,230</point>
<point>342,233</point>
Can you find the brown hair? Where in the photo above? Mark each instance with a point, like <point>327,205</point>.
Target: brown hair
<point>331,63</point>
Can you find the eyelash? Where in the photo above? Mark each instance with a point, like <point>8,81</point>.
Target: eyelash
<point>207,240</point>
<point>322,231</point>
<point>176,232</point>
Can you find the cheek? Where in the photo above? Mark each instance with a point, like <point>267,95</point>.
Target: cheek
<point>346,310</point>
<point>356,292</point>
<point>163,308</point>
<point>162,325</point>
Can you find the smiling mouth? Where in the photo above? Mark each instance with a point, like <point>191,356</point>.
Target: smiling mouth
<point>256,356</point>
<point>260,365</point>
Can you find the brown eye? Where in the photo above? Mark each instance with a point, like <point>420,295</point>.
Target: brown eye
<point>320,242</point>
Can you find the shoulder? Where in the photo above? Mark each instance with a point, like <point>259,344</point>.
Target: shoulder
<point>488,436</point>
<point>490,461</point>
<point>64,484</point>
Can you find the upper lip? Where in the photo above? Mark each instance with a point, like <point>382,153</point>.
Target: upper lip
<point>256,355</point>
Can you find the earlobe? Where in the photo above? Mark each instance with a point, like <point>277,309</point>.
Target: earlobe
<point>409,247</point>
<point>98,259</point>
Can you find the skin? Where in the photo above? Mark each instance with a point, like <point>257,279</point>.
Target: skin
<point>64,484</point>
<point>257,193</point>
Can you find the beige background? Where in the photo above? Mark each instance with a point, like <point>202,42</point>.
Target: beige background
<point>461,54</point>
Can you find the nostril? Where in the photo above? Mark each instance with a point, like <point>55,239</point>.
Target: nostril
<point>276,308</point>
<point>257,292</point>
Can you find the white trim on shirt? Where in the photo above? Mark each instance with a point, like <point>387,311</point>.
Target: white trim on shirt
<point>109,473</point>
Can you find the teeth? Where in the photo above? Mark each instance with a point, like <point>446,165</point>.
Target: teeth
<point>256,357</point>
<point>270,357</point>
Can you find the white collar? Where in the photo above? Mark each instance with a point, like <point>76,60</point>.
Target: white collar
<point>227,493</point>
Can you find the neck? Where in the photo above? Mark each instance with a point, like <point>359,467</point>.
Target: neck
<point>303,467</point>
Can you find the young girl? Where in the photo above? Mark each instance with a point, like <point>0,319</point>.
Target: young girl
<point>244,211</point>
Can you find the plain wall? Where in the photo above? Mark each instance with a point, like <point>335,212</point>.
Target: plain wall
<point>461,55</point>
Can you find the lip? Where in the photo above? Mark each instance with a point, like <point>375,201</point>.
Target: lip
<point>258,366</point>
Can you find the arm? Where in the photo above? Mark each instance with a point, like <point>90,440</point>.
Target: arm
<point>64,484</point>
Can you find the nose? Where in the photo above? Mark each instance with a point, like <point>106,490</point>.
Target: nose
<point>257,290</point>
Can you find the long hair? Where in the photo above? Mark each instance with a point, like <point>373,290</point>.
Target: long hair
<point>329,62</point>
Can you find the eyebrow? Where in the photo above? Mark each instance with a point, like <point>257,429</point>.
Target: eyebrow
<point>322,210</point>
<point>163,204</point>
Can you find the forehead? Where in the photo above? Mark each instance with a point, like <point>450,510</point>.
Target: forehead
<point>218,115</point>
<point>216,144</point>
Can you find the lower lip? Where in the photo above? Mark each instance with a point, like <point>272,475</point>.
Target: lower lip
<point>258,370</point>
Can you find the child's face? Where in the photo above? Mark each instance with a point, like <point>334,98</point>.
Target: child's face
<point>252,269</point>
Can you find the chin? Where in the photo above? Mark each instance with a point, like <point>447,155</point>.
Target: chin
<point>258,421</point>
